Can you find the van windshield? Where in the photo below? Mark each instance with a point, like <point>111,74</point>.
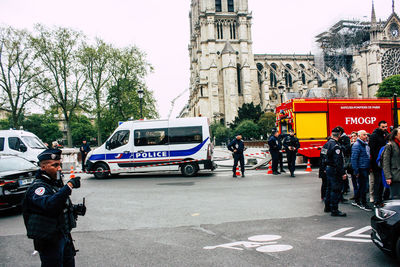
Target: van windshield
<point>33,142</point>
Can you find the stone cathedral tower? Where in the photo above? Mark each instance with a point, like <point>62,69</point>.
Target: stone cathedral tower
<point>223,71</point>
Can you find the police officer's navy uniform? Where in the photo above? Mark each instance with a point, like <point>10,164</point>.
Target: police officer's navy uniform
<point>49,218</point>
<point>237,145</point>
<point>85,149</point>
<point>291,141</point>
<point>274,147</point>
<point>334,173</point>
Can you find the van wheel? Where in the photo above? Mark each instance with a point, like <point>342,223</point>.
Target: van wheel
<point>101,170</point>
<point>189,169</point>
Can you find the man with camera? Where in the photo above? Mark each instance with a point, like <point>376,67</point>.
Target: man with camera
<point>49,215</point>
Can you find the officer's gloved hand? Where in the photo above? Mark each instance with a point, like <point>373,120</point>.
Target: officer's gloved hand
<point>76,182</point>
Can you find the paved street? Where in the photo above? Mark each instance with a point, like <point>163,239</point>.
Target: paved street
<point>210,220</point>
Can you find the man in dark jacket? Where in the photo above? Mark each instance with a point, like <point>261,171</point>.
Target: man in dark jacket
<point>84,149</point>
<point>344,141</point>
<point>237,147</point>
<point>360,161</point>
<point>335,174</point>
<point>274,148</point>
<point>49,215</point>
<point>291,144</point>
<point>376,141</point>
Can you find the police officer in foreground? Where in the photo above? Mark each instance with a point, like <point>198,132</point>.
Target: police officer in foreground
<point>237,147</point>
<point>49,215</point>
<point>274,148</point>
<point>291,144</point>
<point>335,174</point>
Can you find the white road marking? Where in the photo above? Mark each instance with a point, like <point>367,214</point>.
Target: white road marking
<point>274,248</point>
<point>357,233</point>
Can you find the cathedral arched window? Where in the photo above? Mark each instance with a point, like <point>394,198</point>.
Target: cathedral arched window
<point>391,63</point>
<point>303,76</point>
<point>272,75</point>
<point>218,6</point>
<point>288,76</point>
<point>239,78</point>
<point>232,27</point>
<point>231,7</point>
<point>220,29</point>
<point>260,72</point>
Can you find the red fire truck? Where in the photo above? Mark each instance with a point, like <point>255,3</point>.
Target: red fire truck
<point>313,119</point>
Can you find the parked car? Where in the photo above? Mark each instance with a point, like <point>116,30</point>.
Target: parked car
<point>16,174</point>
<point>386,227</point>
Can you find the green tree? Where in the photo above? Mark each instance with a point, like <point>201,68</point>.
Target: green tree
<point>82,128</point>
<point>389,86</point>
<point>266,123</point>
<point>96,61</point>
<point>220,132</point>
<point>5,124</point>
<point>248,129</point>
<point>63,79</point>
<point>45,126</point>
<point>247,112</point>
<point>18,70</point>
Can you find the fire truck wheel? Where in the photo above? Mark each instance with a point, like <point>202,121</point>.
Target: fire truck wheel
<point>189,169</point>
<point>101,170</point>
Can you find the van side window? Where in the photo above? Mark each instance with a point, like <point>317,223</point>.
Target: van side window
<point>120,138</point>
<point>14,143</point>
<point>185,135</point>
<point>151,137</point>
<point>1,143</point>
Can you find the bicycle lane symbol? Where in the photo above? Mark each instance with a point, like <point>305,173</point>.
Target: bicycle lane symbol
<point>262,243</point>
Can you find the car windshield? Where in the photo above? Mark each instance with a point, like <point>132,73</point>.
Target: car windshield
<point>15,164</point>
<point>33,142</point>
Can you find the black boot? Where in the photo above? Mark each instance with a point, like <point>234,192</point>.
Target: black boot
<point>338,213</point>
<point>327,209</point>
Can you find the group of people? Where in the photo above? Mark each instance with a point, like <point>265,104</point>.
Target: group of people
<point>276,143</point>
<point>361,156</point>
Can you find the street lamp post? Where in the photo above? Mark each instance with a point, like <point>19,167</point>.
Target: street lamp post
<point>140,94</point>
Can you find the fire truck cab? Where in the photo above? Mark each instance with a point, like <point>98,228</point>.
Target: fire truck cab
<point>313,119</point>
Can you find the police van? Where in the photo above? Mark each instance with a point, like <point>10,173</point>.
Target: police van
<point>21,143</point>
<point>155,145</point>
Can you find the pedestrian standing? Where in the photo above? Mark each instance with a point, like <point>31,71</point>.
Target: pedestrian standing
<point>391,164</point>
<point>281,137</point>
<point>354,180</point>
<point>274,148</point>
<point>291,144</point>
<point>360,161</point>
<point>376,141</point>
<point>84,149</point>
<point>237,147</point>
<point>48,213</point>
<point>335,174</point>
<point>344,141</point>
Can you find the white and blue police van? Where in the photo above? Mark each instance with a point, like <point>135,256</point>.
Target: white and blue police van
<point>155,145</point>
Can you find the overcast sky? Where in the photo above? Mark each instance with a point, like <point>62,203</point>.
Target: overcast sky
<point>161,29</point>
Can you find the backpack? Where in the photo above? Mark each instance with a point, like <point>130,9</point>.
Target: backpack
<point>379,159</point>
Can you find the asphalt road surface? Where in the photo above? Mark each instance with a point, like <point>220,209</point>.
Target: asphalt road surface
<point>163,219</point>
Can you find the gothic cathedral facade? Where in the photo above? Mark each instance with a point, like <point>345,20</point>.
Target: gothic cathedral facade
<point>225,74</point>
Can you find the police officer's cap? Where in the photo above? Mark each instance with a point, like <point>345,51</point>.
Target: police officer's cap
<point>336,130</point>
<point>50,154</point>
<point>291,131</point>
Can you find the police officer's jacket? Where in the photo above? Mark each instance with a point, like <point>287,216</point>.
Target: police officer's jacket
<point>334,156</point>
<point>291,141</point>
<point>274,143</point>
<point>47,209</point>
<point>236,144</point>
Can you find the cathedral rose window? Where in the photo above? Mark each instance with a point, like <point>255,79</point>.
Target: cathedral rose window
<point>391,63</point>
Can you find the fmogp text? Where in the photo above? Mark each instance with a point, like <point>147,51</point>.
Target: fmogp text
<point>360,120</point>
